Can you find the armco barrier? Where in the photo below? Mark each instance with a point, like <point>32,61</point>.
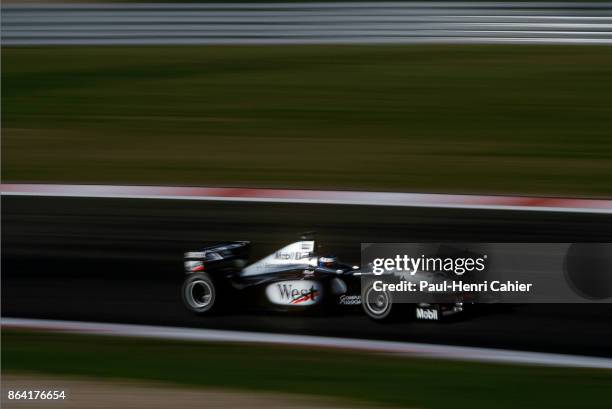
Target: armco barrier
<point>306,23</point>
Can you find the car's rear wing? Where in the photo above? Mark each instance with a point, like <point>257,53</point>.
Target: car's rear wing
<point>228,255</point>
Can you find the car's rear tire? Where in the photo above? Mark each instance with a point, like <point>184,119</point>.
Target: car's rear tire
<point>200,294</point>
<point>379,306</point>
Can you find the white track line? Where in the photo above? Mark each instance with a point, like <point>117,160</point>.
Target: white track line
<point>408,349</point>
<point>522,203</point>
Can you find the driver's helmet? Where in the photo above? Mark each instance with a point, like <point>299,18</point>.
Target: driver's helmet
<point>328,261</point>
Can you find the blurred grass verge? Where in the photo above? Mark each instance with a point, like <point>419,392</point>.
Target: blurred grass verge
<point>493,119</point>
<point>379,379</point>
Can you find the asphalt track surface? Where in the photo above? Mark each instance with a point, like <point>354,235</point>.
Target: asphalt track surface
<point>120,260</point>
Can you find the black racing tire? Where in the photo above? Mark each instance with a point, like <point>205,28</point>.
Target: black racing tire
<point>379,306</point>
<point>200,294</point>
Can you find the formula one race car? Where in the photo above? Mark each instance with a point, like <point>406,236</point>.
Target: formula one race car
<point>293,278</point>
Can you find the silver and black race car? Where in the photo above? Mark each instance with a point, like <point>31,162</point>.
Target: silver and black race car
<point>293,278</point>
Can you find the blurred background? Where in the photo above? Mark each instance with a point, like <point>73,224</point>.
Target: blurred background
<point>335,95</point>
<point>447,97</point>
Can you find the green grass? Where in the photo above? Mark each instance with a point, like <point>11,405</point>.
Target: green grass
<point>518,119</point>
<point>378,379</point>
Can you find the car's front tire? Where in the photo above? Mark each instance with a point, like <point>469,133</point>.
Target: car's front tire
<point>378,305</point>
<point>200,294</point>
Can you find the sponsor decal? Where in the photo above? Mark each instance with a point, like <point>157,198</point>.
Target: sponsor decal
<point>297,255</point>
<point>288,255</point>
<point>307,246</point>
<point>295,251</point>
<point>195,254</point>
<point>427,314</point>
<point>194,266</point>
<point>296,292</point>
<point>349,300</point>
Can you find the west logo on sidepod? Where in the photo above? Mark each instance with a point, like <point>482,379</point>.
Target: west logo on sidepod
<point>299,292</point>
